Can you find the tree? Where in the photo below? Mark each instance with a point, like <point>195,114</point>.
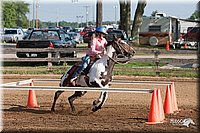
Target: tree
<point>125,15</point>
<point>9,15</point>
<point>138,21</point>
<point>154,13</point>
<point>14,14</point>
<point>195,15</point>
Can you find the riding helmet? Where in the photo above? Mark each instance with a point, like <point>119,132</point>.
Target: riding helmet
<point>101,30</point>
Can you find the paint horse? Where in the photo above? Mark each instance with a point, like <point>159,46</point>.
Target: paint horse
<point>99,75</point>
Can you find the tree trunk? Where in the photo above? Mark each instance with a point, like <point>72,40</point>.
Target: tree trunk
<point>125,15</point>
<point>128,17</point>
<point>122,14</point>
<point>137,21</point>
<point>99,13</point>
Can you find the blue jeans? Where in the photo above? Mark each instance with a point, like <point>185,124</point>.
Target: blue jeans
<point>85,62</point>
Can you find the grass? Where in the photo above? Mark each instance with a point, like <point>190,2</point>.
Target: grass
<point>162,74</point>
<point>120,69</point>
<point>138,64</point>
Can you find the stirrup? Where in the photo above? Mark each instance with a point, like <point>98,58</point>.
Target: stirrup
<point>71,80</point>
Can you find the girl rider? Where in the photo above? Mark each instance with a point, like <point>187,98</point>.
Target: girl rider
<point>97,49</point>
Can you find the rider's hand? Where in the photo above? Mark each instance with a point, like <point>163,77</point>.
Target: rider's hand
<point>98,56</point>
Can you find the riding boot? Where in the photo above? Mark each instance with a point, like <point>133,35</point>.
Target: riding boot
<point>76,74</point>
<point>73,82</point>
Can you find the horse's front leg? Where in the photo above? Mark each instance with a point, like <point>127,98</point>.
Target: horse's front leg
<point>57,94</point>
<point>97,104</point>
<point>76,95</point>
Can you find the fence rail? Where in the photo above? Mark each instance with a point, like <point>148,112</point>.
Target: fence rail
<point>50,59</point>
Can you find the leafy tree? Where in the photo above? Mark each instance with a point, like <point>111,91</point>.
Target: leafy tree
<point>9,14</point>
<point>154,13</point>
<point>21,11</point>
<point>195,15</point>
<point>14,14</point>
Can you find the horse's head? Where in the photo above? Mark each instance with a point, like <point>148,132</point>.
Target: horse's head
<point>122,48</point>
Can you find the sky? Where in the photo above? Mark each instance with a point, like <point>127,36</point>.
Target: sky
<point>66,10</point>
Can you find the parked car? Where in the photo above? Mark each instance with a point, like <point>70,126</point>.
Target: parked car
<point>87,29</point>
<point>76,37</point>
<point>1,34</point>
<point>87,37</point>
<point>119,33</point>
<point>13,35</point>
<point>191,38</point>
<point>46,38</point>
<point>67,28</point>
<point>109,37</point>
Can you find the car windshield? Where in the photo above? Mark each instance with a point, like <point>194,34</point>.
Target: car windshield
<point>193,29</point>
<point>47,35</point>
<point>119,34</point>
<point>10,31</point>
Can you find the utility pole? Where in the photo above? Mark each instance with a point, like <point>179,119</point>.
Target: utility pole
<point>115,14</point>
<point>77,20</point>
<point>33,24</point>
<point>36,23</point>
<point>86,14</point>
<point>81,20</point>
<point>57,21</point>
<point>99,13</point>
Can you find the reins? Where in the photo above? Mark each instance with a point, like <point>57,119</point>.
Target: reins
<point>122,51</point>
<point>119,62</point>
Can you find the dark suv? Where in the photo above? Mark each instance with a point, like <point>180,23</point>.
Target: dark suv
<point>109,37</point>
<point>119,33</point>
<point>192,34</point>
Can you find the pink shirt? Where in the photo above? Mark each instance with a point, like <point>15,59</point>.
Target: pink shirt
<point>97,46</point>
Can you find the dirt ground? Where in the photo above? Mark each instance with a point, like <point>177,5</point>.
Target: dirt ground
<point>122,112</point>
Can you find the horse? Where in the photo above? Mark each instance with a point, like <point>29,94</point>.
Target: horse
<point>99,75</point>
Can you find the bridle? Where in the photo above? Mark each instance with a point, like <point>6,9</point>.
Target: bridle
<point>122,49</point>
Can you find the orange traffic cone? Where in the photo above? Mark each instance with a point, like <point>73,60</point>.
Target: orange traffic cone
<point>168,102</point>
<point>160,106</point>
<point>32,102</point>
<point>173,96</point>
<point>153,117</point>
<point>167,45</point>
<point>185,45</point>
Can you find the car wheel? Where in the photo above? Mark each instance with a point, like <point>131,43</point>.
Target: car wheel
<point>16,39</point>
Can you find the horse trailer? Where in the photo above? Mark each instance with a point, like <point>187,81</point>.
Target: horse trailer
<point>157,30</point>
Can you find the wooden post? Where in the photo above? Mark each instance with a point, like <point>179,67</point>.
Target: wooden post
<point>99,13</point>
<point>50,60</point>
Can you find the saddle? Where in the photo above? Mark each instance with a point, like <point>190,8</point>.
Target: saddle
<point>74,69</point>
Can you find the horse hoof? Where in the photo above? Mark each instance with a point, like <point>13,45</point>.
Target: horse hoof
<point>52,110</point>
<point>95,108</point>
<point>73,110</point>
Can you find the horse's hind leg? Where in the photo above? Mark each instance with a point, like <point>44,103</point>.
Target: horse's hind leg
<point>97,104</point>
<point>57,94</point>
<point>76,95</point>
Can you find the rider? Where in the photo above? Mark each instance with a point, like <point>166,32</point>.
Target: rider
<point>96,50</point>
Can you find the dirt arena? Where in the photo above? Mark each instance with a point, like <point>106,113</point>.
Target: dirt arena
<point>122,112</point>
